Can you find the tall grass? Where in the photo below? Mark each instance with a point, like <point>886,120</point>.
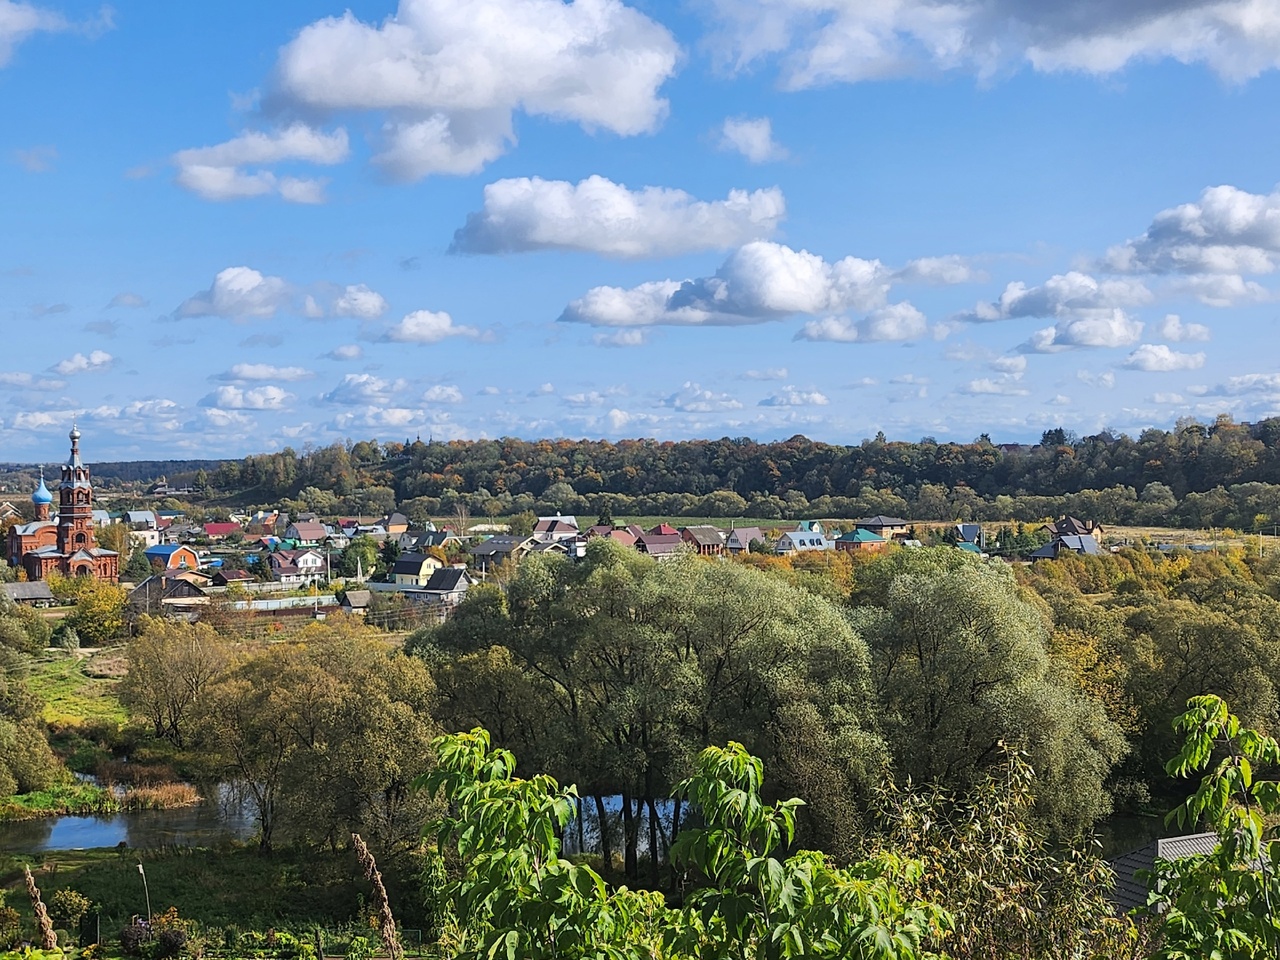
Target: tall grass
<point>163,796</point>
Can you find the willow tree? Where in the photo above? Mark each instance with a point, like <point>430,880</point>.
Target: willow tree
<point>961,666</point>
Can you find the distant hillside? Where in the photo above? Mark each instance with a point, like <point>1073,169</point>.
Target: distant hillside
<point>150,470</point>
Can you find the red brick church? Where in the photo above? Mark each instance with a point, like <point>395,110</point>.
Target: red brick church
<point>66,543</point>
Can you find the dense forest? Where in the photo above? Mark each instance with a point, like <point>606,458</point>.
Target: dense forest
<point>1197,475</point>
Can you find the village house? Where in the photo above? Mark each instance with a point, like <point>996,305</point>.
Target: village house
<point>447,586</point>
<point>420,541</point>
<point>35,593</point>
<point>413,570</point>
<point>705,540</point>
<point>739,539</point>
<point>861,541</point>
<point>555,528</point>
<point>296,567</point>
<point>891,528</point>
<point>1077,544</point>
<point>356,602</point>
<point>661,546</point>
<point>220,531</point>
<point>394,524</point>
<point>801,541</point>
<point>491,553</point>
<point>306,533</point>
<point>172,556</point>
<point>227,578</point>
<point>168,595</point>
<point>1074,527</point>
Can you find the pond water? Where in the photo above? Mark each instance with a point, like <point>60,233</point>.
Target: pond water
<point>208,823</point>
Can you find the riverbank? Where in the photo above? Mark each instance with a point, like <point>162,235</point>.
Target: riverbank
<point>86,799</point>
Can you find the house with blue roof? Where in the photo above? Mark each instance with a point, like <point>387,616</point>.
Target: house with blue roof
<point>173,556</point>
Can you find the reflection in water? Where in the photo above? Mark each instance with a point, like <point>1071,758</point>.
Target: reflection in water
<point>212,821</point>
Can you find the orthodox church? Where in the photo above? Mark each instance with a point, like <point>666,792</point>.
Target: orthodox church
<point>66,543</point>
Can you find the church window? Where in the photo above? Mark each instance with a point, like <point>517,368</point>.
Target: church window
<point>80,538</point>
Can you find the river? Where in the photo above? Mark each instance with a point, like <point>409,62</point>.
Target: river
<point>203,825</point>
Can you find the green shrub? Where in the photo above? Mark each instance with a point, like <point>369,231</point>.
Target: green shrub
<point>67,908</point>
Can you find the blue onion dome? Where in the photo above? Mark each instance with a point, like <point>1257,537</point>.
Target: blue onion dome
<point>42,494</point>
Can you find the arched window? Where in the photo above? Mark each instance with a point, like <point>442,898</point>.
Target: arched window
<point>82,571</point>
<point>80,538</point>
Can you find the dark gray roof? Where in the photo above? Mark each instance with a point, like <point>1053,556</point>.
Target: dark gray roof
<point>498,545</point>
<point>881,521</point>
<point>34,590</point>
<point>1073,544</point>
<point>357,599</point>
<point>1129,891</point>
<point>706,536</point>
<point>447,580</point>
<point>410,563</point>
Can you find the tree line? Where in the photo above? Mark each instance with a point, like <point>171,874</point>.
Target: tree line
<point>1218,474</point>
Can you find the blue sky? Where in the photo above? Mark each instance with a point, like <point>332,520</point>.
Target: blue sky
<point>289,223</point>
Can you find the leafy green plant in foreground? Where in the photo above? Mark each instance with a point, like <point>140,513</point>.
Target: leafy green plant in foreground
<point>1223,905</point>
<point>516,897</point>
<point>754,904</point>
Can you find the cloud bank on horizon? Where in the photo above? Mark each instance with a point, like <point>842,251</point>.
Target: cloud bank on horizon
<point>473,218</point>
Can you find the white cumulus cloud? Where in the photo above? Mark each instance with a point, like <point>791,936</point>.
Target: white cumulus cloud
<point>1227,231</point>
<point>845,41</point>
<point>82,363</point>
<point>1173,329</point>
<point>448,77</point>
<point>693,398</point>
<point>357,389</point>
<point>359,301</point>
<point>894,322</point>
<point>346,351</point>
<point>254,398</point>
<point>426,326</point>
<point>752,137</point>
<point>792,397</point>
<point>939,271</point>
<point>220,172</point>
<point>441,393</point>
<point>239,293</point>
<point>760,281</point>
<point>1159,358</point>
<point>599,216</point>
<point>1009,386</point>
<point>21,21</point>
<point>249,372</point>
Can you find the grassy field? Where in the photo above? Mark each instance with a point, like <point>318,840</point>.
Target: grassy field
<point>217,887</point>
<point>72,694</point>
